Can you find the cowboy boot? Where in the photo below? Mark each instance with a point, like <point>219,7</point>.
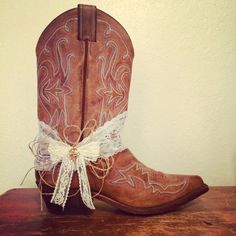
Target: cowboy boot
<point>84,60</point>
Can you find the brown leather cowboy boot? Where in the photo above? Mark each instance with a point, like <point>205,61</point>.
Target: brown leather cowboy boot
<point>84,60</point>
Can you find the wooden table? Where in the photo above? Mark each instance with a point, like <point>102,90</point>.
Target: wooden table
<point>212,214</point>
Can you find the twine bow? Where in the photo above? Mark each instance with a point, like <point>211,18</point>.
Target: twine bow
<point>73,158</point>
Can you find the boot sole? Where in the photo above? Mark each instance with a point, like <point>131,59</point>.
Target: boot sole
<point>75,204</point>
<point>164,208</point>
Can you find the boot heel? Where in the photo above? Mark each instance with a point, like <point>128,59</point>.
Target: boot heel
<point>74,202</point>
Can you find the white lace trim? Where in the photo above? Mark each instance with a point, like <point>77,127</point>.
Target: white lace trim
<point>103,142</point>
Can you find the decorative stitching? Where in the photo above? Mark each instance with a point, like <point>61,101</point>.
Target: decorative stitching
<point>153,185</point>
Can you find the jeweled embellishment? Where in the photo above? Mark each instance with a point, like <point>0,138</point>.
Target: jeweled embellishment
<point>74,153</point>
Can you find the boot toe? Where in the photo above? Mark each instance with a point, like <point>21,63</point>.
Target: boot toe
<point>195,183</point>
<point>195,188</point>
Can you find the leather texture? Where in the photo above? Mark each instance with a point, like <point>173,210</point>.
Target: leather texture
<point>84,60</point>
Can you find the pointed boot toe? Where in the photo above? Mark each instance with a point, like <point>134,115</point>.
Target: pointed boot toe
<point>195,188</point>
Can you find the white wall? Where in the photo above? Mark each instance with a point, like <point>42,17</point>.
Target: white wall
<point>182,107</point>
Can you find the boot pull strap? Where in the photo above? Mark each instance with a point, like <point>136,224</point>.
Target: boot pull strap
<point>87,24</point>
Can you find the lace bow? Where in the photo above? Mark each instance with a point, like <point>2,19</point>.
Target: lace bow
<point>72,159</point>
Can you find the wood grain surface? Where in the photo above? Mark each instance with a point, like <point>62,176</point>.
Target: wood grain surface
<point>212,214</point>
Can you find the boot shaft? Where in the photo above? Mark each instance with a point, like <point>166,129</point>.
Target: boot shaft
<point>84,60</point>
